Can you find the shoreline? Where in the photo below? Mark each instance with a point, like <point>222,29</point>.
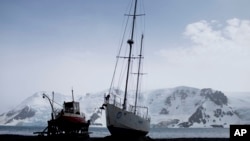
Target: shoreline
<point>15,137</point>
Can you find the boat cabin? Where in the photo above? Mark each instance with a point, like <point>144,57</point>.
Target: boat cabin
<point>71,107</point>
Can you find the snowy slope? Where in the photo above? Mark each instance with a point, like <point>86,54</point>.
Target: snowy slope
<point>36,110</point>
<point>25,112</point>
<point>241,104</point>
<point>191,107</point>
<point>172,107</point>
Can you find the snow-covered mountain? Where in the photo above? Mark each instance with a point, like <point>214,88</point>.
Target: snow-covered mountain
<point>191,107</point>
<point>36,110</point>
<point>173,107</point>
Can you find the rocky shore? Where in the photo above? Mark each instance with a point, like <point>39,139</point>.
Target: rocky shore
<point>8,137</point>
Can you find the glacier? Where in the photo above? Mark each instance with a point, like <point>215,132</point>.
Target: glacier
<point>176,107</point>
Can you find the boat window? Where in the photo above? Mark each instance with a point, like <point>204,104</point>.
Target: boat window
<point>72,107</point>
<point>77,108</point>
<point>68,107</point>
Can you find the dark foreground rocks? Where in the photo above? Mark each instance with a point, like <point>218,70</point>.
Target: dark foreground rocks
<point>108,138</point>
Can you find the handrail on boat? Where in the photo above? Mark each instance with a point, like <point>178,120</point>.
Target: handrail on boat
<point>113,99</point>
<point>116,101</point>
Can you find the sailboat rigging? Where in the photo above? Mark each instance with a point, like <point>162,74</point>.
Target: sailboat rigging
<point>124,118</point>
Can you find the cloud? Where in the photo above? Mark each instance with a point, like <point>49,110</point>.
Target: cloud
<point>215,51</point>
<point>239,32</point>
<point>213,40</point>
<point>202,33</point>
<point>236,33</point>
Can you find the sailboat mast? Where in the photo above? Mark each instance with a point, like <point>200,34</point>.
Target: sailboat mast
<point>133,25</point>
<point>138,74</point>
<point>130,42</point>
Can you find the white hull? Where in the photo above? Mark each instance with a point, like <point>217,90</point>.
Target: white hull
<point>120,122</point>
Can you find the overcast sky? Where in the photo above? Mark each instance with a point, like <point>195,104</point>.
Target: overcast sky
<point>54,45</point>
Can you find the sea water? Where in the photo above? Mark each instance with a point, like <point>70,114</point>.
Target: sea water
<point>154,132</point>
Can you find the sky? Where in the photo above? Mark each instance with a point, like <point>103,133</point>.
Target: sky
<point>57,45</point>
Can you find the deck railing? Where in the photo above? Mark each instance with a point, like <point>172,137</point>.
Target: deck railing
<point>115,100</point>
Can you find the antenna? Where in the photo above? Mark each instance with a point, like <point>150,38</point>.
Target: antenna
<point>73,94</point>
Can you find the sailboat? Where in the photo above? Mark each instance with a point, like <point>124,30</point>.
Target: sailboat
<point>122,117</point>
